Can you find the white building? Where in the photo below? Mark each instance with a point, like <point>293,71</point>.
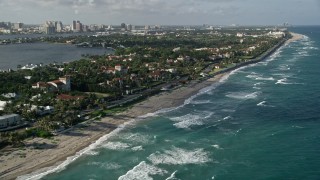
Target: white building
<point>43,110</point>
<point>61,84</point>
<point>3,104</point>
<point>10,95</point>
<point>9,120</point>
<point>118,67</point>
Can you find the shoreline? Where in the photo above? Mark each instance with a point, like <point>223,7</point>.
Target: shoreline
<point>43,153</point>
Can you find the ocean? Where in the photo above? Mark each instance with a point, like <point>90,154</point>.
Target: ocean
<point>260,122</point>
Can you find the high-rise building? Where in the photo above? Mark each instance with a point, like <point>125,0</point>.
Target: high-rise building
<point>77,26</point>
<point>50,27</point>
<point>5,25</point>
<point>17,26</point>
<point>85,28</point>
<point>123,25</point>
<point>93,27</point>
<point>157,26</point>
<point>59,26</point>
<point>74,23</point>
<point>129,27</point>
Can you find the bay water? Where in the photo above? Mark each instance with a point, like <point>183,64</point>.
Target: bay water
<point>12,55</point>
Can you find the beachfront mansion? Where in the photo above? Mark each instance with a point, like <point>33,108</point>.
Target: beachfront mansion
<point>61,84</point>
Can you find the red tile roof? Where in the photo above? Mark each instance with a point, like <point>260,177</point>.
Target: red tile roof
<point>68,97</point>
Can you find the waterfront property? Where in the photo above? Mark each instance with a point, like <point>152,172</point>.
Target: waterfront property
<point>62,84</point>
<point>10,120</point>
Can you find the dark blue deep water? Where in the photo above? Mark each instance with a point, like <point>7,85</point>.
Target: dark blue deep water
<point>261,122</point>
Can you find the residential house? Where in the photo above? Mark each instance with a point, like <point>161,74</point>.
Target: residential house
<point>62,84</point>
<point>9,120</point>
<point>120,68</point>
<point>108,70</point>
<point>172,70</point>
<point>3,104</point>
<point>44,110</point>
<point>10,95</point>
<point>41,86</point>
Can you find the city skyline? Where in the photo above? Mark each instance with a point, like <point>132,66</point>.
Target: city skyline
<point>164,12</point>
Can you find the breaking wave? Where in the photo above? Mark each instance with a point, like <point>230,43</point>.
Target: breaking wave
<point>178,156</point>
<point>243,95</point>
<point>142,171</point>
<point>188,120</point>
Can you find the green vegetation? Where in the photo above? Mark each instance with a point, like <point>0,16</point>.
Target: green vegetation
<point>140,67</point>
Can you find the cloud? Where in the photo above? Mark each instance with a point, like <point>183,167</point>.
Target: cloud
<point>162,11</point>
<point>114,6</point>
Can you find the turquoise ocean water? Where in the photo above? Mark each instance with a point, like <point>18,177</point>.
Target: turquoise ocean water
<point>260,122</point>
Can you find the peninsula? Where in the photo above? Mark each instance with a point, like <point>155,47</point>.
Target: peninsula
<point>70,106</point>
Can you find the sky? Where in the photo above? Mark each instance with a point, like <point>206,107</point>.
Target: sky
<point>163,12</point>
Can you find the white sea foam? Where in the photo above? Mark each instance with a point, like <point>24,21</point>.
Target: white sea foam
<point>92,153</point>
<point>108,166</point>
<point>265,78</point>
<point>116,145</point>
<point>273,56</point>
<point>282,75</point>
<point>178,156</point>
<point>264,104</point>
<point>284,81</point>
<point>252,76</point>
<point>243,95</point>
<point>255,86</point>
<point>173,176</point>
<point>142,171</point>
<point>45,171</point>
<point>137,148</point>
<point>188,123</point>
<point>259,83</point>
<point>261,103</point>
<point>310,48</point>
<point>303,53</point>
<point>216,146</point>
<point>137,138</point>
<point>228,110</point>
<point>188,120</point>
<point>259,77</point>
<point>200,102</point>
<point>202,91</point>
<point>284,67</point>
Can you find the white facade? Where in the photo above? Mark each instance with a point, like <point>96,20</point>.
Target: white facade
<point>3,104</point>
<point>9,120</point>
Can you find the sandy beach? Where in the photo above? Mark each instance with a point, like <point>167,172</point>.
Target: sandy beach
<point>295,37</point>
<point>40,153</point>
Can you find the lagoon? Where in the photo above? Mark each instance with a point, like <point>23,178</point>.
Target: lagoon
<point>13,55</point>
